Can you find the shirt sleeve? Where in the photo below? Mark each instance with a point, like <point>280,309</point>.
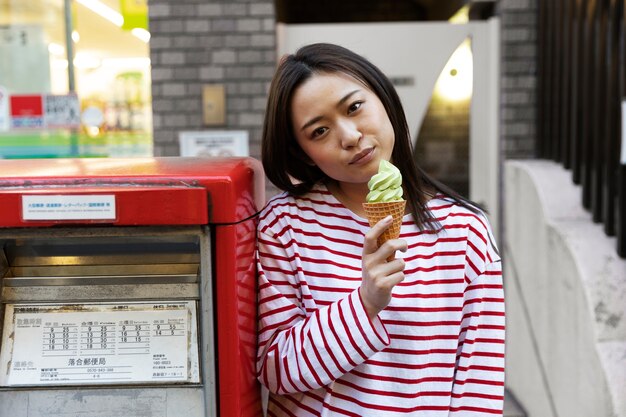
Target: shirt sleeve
<point>301,347</point>
<point>478,387</point>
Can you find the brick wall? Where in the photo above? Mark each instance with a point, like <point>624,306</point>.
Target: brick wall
<point>233,43</point>
<point>442,147</point>
<point>518,19</point>
<point>211,42</point>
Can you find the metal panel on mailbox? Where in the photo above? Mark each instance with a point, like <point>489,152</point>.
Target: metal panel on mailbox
<point>128,287</point>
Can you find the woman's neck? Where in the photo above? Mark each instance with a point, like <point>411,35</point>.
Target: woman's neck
<point>350,195</point>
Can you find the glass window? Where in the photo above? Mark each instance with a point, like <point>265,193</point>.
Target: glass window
<point>101,106</point>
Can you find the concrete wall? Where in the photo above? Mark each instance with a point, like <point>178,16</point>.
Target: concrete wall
<point>564,286</point>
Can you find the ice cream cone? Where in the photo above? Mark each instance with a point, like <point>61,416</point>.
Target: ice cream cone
<point>377,211</point>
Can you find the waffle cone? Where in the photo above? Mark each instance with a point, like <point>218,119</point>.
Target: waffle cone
<point>377,211</point>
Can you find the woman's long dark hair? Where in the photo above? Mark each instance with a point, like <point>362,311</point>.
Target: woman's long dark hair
<point>283,159</point>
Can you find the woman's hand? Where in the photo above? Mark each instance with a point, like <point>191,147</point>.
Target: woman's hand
<point>380,276</point>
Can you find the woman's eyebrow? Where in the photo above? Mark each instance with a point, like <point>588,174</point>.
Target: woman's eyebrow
<point>346,97</point>
<point>310,122</point>
<point>339,103</point>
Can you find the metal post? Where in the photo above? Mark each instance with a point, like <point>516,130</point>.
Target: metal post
<point>69,45</point>
<point>588,76</point>
<point>207,326</point>
<point>577,90</point>
<point>598,124</point>
<point>566,84</point>
<point>610,167</point>
<point>621,181</point>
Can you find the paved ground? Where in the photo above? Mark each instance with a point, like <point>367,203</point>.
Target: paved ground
<point>511,406</point>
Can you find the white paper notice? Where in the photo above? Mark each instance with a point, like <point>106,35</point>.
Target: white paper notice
<point>214,143</point>
<point>68,207</point>
<point>98,344</point>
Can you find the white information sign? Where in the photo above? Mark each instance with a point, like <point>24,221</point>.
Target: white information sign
<point>95,344</point>
<point>68,207</point>
<point>61,111</point>
<point>214,143</point>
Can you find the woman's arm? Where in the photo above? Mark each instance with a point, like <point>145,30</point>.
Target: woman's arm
<point>299,349</point>
<point>479,375</point>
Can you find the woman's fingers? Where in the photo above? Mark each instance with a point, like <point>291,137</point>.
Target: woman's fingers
<point>380,276</point>
<point>380,255</point>
<point>376,264</point>
<point>370,245</point>
<point>388,275</point>
<point>376,292</point>
<point>390,247</point>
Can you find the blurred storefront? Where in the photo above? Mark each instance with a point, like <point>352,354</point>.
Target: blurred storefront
<point>97,104</point>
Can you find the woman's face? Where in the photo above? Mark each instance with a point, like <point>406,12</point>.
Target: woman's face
<point>342,126</point>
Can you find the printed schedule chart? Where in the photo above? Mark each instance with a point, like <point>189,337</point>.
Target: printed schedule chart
<point>99,343</point>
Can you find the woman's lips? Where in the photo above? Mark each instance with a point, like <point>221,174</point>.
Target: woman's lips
<point>362,157</point>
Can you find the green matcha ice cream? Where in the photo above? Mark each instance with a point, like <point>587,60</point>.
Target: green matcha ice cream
<point>386,185</point>
<point>384,199</point>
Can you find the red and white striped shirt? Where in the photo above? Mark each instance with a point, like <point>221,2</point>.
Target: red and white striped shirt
<point>436,350</point>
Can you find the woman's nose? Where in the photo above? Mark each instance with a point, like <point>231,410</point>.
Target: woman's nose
<point>350,134</point>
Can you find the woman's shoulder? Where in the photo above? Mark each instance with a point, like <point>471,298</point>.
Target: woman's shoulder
<point>286,205</point>
<point>447,209</point>
<point>318,195</point>
<point>467,219</point>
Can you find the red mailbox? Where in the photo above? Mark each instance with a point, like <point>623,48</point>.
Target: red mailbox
<point>128,285</point>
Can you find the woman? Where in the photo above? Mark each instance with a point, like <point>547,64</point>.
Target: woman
<point>343,331</point>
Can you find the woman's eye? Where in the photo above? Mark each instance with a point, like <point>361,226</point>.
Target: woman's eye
<point>318,132</point>
<point>354,106</point>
